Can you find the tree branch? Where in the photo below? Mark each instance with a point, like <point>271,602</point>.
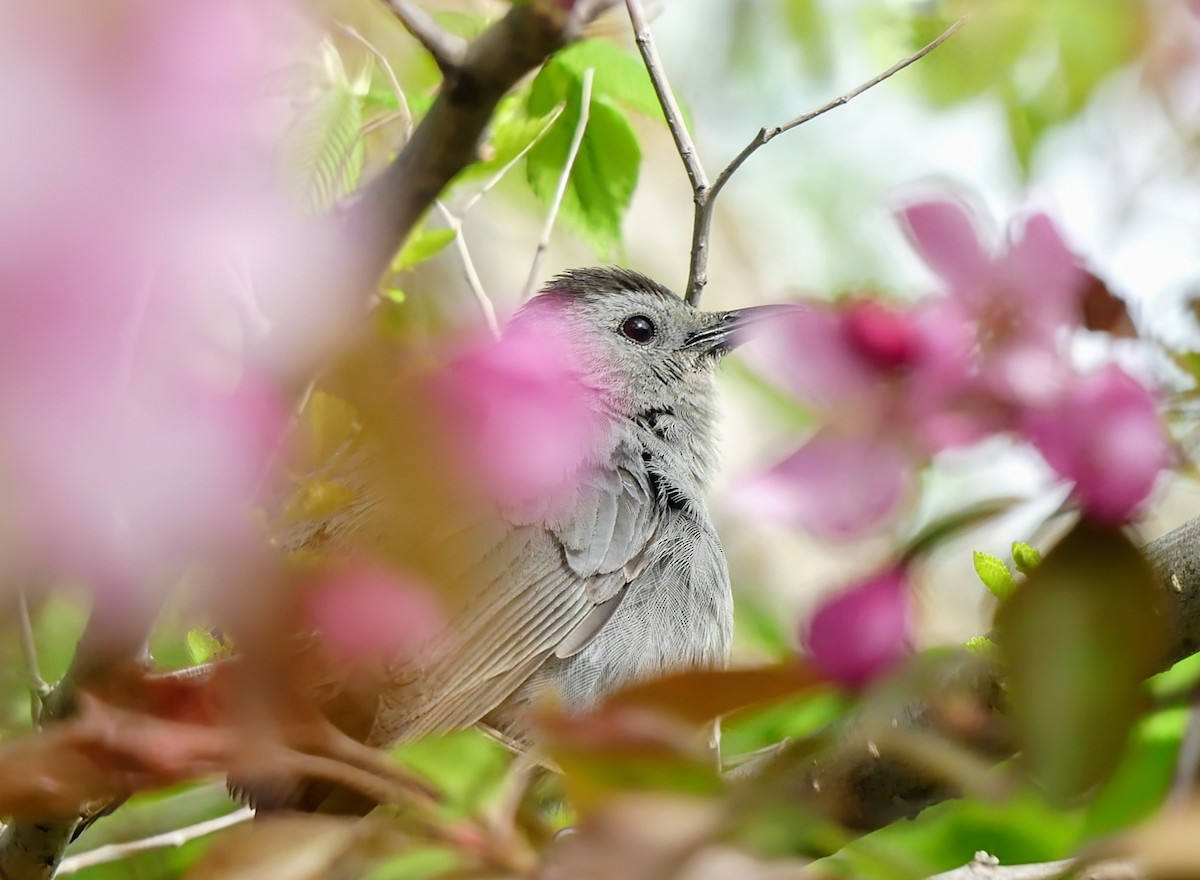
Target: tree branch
<point>447,139</point>
<point>988,867</point>
<point>447,50</point>
<point>705,196</point>
<point>113,852</point>
<point>560,191</point>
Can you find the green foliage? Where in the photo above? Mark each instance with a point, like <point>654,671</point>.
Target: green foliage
<point>605,173</point>
<point>1042,59</point>
<point>421,246</point>
<point>202,645</point>
<point>467,766</point>
<point>321,155</point>
<point>1078,638</point>
<point>808,24</point>
<point>994,574</point>
<point>1025,557</point>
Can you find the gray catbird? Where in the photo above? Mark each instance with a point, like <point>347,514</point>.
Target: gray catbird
<point>627,583</point>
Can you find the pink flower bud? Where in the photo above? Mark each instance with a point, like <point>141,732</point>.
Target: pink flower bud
<point>883,336</point>
<point>860,633</point>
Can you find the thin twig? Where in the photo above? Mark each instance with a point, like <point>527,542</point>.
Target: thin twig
<point>706,200</point>
<point>551,118</point>
<point>666,98</point>
<point>113,852</point>
<point>446,49</point>
<point>473,281</point>
<point>1188,762</point>
<point>585,103</point>
<point>33,670</point>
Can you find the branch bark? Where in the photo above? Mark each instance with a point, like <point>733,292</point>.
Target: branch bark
<point>447,139</point>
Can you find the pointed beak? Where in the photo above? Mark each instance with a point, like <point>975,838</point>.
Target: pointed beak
<point>728,330</point>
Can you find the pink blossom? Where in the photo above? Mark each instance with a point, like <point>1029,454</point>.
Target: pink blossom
<point>1104,434</point>
<point>1018,300</point>
<point>861,632</point>
<point>144,261</point>
<point>365,612</point>
<point>522,417</point>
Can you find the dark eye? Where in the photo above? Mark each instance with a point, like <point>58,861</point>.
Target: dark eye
<point>639,328</point>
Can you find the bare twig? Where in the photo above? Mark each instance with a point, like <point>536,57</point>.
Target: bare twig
<point>666,98</point>
<point>113,852</point>
<point>988,867</point>
<point>447,50</point>
<point>585,103</point>
<point>1188,762</point>
<point>464,255</point>
<point>704,195</point>
<point>492,181</point>
<point>33,672</point>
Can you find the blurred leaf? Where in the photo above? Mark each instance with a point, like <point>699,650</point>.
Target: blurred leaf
<point>511,130</point>
<point>321,153</point>
<point>701,695</point>
<point>606,169</point>
<point>755,729</point>
<point>281,848</point>
<point>981,646</point>
<point>1177,682</point>
<point>994,574</point>
<point>807,25</point>
<point>759,627</point>
<point>395,295</point>
<point>417,863</point>
<point>1078,637</point>
<point>467,766</point>
<point>202,645</point>
<point>422,245</point>
<point>1143,778</point>
<point>943,528</point>
<point>1025,558</point>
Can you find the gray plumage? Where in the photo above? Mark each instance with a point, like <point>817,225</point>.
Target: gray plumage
<point>628,582</point>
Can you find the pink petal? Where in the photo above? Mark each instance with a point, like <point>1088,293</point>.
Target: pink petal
<point>862,632</point>
<point>364,612</point>
<point>1042,274</point>
<point>885,337</point>
<point>1107,436</point>
<point>522,419</point>
<point>943,233</point>
<point>809,354</point>
<point>835,486</point>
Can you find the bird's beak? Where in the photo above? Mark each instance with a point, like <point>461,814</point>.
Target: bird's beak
<point>728,330</point>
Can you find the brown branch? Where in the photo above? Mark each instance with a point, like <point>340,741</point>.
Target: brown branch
<point>988,867</point>
<point>447,139</point>
<point>705,196</point>
<point>446,49</point>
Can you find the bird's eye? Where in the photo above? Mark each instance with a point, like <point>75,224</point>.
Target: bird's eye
<point>639,328</point>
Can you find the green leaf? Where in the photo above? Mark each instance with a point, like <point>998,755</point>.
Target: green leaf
<point>980,645</point>
<point>1025,557</point>
<point>395,294</point>
<point>1078,638</point>
<point>807,24</point>
<point>202,646</point>
<point>421,245</point>
<point>994,574</point>
<point>620,76</point>
<point>321,154</point>
<point>606,169</point>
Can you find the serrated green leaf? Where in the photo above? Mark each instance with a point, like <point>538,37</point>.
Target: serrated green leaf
<point>980,645</point>
<point>420,246</point>
<point>994,574</point>
<point>202,646</point>
<point>605,172</point>
<point>321,154</point>
<point>1078,638</point>
<point>1025,558</point>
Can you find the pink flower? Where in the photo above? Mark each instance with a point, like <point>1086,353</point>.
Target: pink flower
<point>364,612</point>
<point>1105,434</point>
<point>862,632</point>
<point>144,263</point>
<point>1018,300</point>
<point>520,413</point>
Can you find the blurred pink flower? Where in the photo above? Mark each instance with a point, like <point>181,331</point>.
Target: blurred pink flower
<point>1018,300</point>
<point>365,612</point>
<point>524,420</point>
<point>862,632</point>
<point>1105,434</point>
<point>154,286</point>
